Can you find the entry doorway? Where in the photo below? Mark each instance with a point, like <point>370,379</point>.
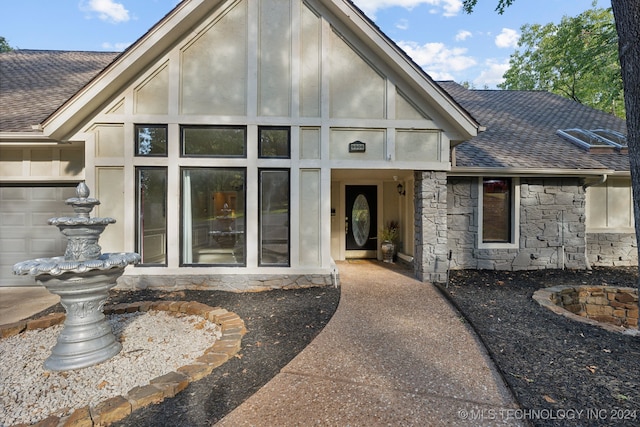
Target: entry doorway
<point>361,221</point>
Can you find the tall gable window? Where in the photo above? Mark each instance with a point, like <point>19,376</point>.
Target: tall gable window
<point>498,213</point>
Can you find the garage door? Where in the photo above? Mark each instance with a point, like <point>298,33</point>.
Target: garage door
<point>24,231</point>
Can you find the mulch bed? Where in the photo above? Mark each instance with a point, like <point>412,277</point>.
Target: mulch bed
<point>565,373</point>
<point>555,366</point>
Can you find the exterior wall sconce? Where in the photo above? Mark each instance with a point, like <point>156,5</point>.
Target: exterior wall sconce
<point>401,190</point>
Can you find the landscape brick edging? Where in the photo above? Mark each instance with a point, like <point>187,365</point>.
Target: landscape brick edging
<point>545,297</point>
<point>168,385</point>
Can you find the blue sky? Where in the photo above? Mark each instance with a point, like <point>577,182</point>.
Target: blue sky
<point>437,34</point>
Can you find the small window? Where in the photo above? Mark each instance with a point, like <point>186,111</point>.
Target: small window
<point>214,141</point>
<point>496,210</point>
<point>151,140</point>
<point>274,142</point>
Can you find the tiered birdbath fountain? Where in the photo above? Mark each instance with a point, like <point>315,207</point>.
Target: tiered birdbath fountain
<point>82,278</point>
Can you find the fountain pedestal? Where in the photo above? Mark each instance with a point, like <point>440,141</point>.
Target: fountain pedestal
<point>82,278</point>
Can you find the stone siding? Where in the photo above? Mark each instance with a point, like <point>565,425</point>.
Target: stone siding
<point>431,250</point>
<point>612,249</point>
<point>552,215</point>
<point>221,282</point>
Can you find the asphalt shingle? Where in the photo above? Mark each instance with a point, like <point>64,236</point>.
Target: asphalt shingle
<point>34,83</point>
<point>521,131</point>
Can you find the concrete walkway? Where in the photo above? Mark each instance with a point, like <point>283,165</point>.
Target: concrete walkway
<point>395,354</point>
<point>17,303</point>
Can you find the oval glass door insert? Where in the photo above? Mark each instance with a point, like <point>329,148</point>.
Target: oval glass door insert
<point>361,220</point>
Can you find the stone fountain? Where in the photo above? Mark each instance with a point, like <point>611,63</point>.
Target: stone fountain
<point>82,278</point>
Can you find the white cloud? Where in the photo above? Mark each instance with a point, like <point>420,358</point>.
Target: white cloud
<point>439,61</point>
<point>492,74</point>
<point>115,47</point>
<point>463,35</point>
<point>402,24</point>
<point>507,38</point>
<point>448,7</point>
<point>107,10</point>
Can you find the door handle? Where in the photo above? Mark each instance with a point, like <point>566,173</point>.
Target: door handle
<point>346,225</point>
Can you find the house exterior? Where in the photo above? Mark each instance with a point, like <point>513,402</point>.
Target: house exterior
<point>237,155</point>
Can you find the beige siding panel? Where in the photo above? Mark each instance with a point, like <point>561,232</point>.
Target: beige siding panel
<point>152,96</point>
<point>71,162</point>
<point>275,59</point>
<point>310,143</point>
<point>373,138</point>
<point>413,145</point>
<point>10,162</point>
<point>597,207</point>
<point>405,110</point>
<point>110,191</point>
<point>118,108</point>
<point>357,90</point>
<point>310,80</point>
<point>214,67</point>
<point>109,140</point>
<point>40,164</point>
<point>619,203</point>
<point>310,223</point>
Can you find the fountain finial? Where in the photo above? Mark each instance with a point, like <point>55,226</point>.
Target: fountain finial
<point>83,204</point>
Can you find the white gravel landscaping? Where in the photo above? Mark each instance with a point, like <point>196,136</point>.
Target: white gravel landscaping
<point>154,343</point>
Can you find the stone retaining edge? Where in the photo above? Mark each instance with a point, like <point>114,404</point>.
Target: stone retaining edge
<point>543,297</point>
<point>168,385</point>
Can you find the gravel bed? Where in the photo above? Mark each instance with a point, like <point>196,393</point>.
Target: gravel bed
<point>562,372</point>
<point>153,344</point>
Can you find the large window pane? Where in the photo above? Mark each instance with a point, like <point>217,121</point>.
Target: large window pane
<point>151,140</point>
<point>496,210</point>
<point>274,143</point>
<point>214,141</point>
<point>213,216</point>
<point>152,215</point>
<point>274,217</point>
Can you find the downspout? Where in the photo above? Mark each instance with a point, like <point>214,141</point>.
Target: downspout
<point>600,181</point>
<point>586,185</point>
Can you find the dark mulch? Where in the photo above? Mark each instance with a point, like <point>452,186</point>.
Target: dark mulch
<point>563,372</point>
<point>555,366</point>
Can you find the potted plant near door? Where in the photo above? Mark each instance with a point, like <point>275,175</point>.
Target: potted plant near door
<point>389,236</point>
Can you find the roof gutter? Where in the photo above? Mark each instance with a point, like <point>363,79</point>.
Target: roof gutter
<point>506,172</point>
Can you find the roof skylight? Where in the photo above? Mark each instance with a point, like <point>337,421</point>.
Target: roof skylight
<point>596,140</point>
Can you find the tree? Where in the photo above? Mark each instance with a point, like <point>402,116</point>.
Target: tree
<point>626,14</point>
<point>577,59</point>
<point>4,45</point>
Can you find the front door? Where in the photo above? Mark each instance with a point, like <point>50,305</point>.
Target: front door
<point>361,221</point>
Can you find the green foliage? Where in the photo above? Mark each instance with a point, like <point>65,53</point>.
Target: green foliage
<point>4,45</point>
<point>577,59</point>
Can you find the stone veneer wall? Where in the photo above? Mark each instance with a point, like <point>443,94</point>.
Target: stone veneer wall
<point>612,249</point>
<point>220,282</point>
<point>552,212</point>
<point>430,260</point>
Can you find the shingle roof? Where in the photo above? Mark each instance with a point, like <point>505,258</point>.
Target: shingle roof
<point>34,83</point>
<point>521,131</point>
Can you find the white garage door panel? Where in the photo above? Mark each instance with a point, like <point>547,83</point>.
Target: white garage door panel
<point>24,231</point>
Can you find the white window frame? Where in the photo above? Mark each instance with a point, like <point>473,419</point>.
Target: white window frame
<point>514,241</point>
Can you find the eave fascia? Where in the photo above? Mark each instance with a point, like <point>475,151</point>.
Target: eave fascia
<point>64,122</point>
<point>527,172</point>
<point>26,139</point>
<point>466,126</point>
